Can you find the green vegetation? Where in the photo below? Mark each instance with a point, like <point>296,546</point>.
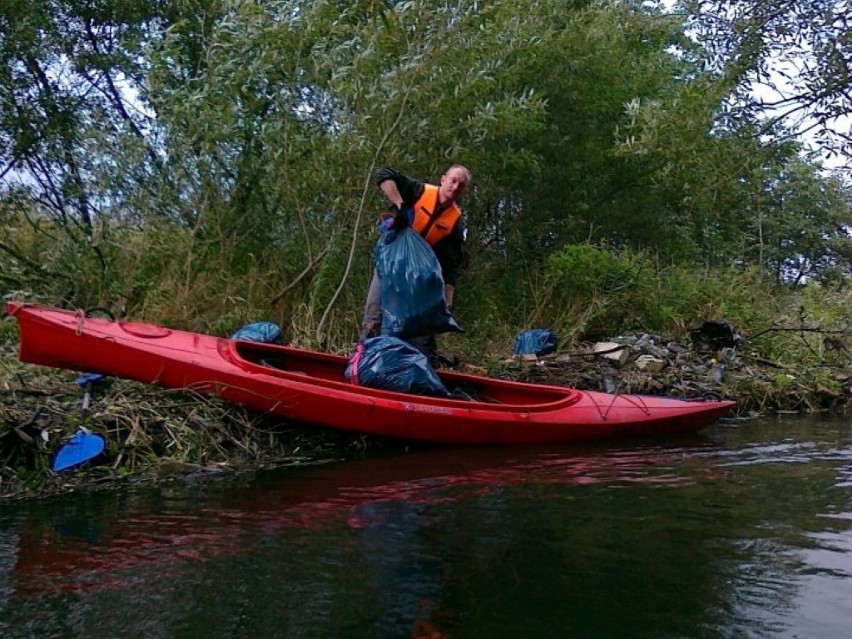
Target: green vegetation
<point>204,164</point>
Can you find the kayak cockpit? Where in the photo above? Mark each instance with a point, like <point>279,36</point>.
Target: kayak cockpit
<point>290,360</point>
<point>325,368</point>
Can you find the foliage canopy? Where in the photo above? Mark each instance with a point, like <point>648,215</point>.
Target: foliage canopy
<point>212,160</point>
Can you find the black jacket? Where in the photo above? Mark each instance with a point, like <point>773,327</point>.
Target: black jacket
<point>449,250</point>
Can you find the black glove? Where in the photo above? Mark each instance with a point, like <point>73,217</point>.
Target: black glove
<point>403,217</point>
<point>393,218</point>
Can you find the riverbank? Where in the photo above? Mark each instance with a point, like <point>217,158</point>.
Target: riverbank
<point>645,364</point>
<point>155,435</point>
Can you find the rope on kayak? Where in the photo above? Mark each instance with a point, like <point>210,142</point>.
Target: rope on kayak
<point>81,319</point>
<point>603,414</point>
<point>82,315</point>
<point>636,400</point>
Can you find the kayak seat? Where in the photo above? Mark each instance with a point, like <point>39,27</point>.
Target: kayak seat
<point>273,362</point>
<point>458,393</point>
<point>471,394</point>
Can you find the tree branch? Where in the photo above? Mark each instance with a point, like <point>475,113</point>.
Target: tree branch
<point>311,265</point>
<point>368,183</point>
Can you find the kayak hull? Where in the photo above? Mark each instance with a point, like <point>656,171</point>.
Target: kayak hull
<point>310,387</point>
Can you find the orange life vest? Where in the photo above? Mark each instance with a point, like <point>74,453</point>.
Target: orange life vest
<point>434,227</point>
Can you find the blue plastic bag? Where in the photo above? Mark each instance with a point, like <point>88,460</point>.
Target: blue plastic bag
<point>389,363</point>
<point>413,299</point>
<point>266,332</point>
<point>536,341</point>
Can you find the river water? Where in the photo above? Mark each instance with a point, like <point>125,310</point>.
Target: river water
<point>744,530</point>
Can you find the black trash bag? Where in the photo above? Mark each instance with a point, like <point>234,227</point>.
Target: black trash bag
<point>413,299</point>
<point>389,363</point>
<point>713,335</point>
<point>266,332</point>
<point>536,341</point>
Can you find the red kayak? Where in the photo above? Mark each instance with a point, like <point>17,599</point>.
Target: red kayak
<point>310,387</point>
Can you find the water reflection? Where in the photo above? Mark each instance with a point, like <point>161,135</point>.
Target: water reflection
<point>113,532</point>
<point>741,533</point>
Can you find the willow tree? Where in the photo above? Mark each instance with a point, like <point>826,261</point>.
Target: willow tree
<point>75,132</point>
<point>650,140</point>
<point>788,62</point>
<point>784,69</point>
<point>225,148</point>
<point>274,145</point>
<point>77,141</point>
<point>588,175</point>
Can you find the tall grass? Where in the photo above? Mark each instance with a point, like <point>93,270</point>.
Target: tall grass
<point>165,273</point>
<point>588,293</point>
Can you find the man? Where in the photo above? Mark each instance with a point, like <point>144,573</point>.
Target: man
<point>431,211</point>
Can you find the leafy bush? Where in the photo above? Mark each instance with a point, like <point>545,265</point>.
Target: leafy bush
<point>589,291</point>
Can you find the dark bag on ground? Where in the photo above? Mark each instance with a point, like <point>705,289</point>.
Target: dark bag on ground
<point>389,363</point>
<point>536,341</point>
<point>266,332</point>
<point>714,335</point>
<point>413,299</point>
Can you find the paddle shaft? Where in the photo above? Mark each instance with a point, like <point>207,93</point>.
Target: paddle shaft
<point>86,381</point>
<point>87,397</point>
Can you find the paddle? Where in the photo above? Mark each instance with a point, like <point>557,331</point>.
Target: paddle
<point>84,445</point>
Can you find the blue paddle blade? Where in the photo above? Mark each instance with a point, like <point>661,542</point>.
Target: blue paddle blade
<point>79,449</point>
<point>90,378</point>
